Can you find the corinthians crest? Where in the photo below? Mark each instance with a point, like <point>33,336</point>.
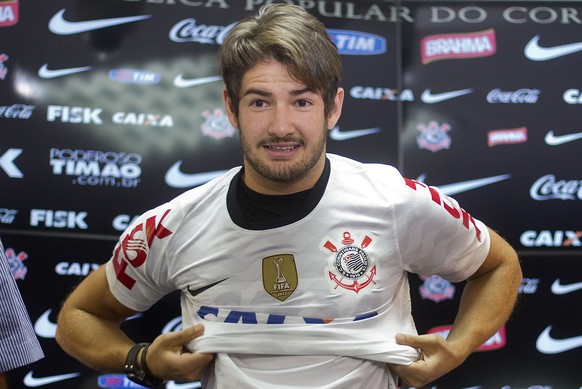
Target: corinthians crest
<point>350,269</point>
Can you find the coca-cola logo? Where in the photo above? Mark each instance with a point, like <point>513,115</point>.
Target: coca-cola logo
<point>520,96</point>
<point>188,31</point>
<point>548,188</point>
<point>16,111</point>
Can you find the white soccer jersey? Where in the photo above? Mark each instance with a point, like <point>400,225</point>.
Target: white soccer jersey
<point>331,287</point>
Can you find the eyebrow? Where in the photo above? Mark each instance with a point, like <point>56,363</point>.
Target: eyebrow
<point>261,92</point>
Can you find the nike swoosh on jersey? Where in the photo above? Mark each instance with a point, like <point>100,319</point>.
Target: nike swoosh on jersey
<point>34,382</point>
<point>181,82</point>
<point>464,186</point>
<point>45,72</point>
<point>548,345</point>
<point>556,140</point>
<point>535,52</point>
<point>44,327</point>
<point>196,292</point>
<point>337,134</point>
<point>186,385</point>
<point>431,98</point>
<point>58,24</point>
<point>558,288</point>
<point>176,179</point>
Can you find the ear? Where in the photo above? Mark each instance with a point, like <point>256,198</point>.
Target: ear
<point>336,111</point>
<point>230,111</point>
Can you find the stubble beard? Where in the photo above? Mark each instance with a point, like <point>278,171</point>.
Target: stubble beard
<point>283,172</point>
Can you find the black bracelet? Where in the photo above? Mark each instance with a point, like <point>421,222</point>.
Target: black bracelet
<point>134,373</point>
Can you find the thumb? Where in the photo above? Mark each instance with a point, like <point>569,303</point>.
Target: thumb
<point>184,336</point>
<point>407,339</point>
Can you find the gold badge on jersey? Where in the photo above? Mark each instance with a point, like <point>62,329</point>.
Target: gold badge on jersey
<point>280,275</point>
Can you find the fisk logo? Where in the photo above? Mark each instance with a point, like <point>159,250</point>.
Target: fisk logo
<point>66,114</point>
<point>357,42</point>
<point>58,219</point>
<point>497,341</point>
<point>135,246</point>
<point>8,13</point>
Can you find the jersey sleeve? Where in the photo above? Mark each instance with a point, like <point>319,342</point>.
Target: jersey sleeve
<point>437,236</point>
<point>138,273</point>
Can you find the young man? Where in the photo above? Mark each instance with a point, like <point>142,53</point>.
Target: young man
<point>293,269</point>
<point>18,343</point>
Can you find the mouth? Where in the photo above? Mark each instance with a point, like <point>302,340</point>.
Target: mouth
<point>281,148</point>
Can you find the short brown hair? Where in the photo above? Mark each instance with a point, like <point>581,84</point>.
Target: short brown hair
<point>289,35</point>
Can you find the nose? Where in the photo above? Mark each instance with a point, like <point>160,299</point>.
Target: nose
<point>281,122</point>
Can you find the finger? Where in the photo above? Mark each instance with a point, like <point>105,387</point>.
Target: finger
<point>184,336</point>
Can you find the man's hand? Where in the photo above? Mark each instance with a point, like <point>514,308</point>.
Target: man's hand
<point>437,357</point>
<point>166,358</point>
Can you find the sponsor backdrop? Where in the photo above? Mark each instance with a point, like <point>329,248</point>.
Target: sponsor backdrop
<point>110,108</point>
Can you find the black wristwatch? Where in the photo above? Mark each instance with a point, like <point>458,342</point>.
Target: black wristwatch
<point>140,376</point>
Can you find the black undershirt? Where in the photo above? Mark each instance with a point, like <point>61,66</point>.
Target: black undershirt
<point>257,211</point>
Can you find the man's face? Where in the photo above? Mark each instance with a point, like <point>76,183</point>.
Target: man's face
<point>283,129</point>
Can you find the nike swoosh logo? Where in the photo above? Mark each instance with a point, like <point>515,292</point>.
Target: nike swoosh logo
<point>535,52</point>
<point>45,72</point>
<point>548,345</point>
<point>186,385</point>
<point>44,327</point>
<point>558,288</point>
<point>337,134</point>
<point>556,140</point>
<point>196,292</point>
<point>58,24</point>
<point>176,179</point>
<point>181,82</point>
<point>431,98</point>
<point>464,186</point>
<point>34,382</point>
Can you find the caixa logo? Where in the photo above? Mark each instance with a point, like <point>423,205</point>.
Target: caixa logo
<point>547,238</point>
<point>58,219</point>
<point>357,42</point>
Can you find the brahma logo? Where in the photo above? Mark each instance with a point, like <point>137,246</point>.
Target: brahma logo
<point>135,246</point>
<point>8,13</point>
<point>458,46</point>
<point>357,42</point>
<point>506,137</point>
<point>497,341</point>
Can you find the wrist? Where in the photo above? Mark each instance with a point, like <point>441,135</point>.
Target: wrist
<point>136,366</point>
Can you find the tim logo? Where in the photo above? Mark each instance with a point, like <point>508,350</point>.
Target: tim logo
<point>134,247</point>
<point>357,43</point>
<point>350,269</point>
<point>8,13</point>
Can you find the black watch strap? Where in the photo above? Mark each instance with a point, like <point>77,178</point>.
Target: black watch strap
<point>140,376</point>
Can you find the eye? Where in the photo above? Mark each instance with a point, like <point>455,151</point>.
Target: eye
<point>258,103</point>
<point>303,103</point>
